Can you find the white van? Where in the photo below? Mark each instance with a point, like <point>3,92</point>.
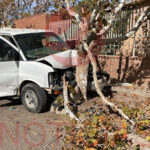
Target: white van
<point>32,64</point>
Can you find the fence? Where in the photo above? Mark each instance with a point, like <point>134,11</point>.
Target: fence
<point>125,21</point>
<point>66,29</point>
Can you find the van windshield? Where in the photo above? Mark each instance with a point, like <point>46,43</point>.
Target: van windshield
<point>38,45</point>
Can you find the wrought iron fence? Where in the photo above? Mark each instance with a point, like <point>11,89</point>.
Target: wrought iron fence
<point>125,21</point>
<point>66,28</point>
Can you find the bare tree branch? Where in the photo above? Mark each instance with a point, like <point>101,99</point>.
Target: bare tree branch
<point>67,4</point>
<point>112,17</point>
<point>95,12</point>
<point>72,12</point>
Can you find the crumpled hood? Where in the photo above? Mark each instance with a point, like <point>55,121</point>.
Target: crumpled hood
<point>62,60</point>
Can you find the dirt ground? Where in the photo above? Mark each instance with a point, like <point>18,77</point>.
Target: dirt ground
<point>22,130</point>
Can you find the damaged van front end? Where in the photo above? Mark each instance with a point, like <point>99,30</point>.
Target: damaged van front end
<point>37,61</point>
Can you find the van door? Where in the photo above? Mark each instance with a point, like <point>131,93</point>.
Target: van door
<point>9,68</point>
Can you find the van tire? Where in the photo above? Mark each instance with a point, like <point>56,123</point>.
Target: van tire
<point>38,96</point>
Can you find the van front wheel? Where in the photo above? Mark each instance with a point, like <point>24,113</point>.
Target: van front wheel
<point>34,98</point>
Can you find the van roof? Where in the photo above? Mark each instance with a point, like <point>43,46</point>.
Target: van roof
<point>15,31</point>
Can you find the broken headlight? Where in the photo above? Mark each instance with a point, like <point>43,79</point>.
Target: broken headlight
<point>51,79</point>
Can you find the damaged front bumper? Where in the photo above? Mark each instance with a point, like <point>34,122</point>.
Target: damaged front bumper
<point>102,85</point>
<point>91,87</point>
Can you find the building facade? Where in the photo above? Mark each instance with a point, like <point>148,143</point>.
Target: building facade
<point>40,21</point>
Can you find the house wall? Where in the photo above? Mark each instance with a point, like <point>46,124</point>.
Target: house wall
<point>40,21</point>
<point>127,69</point>
<point>34,22</point>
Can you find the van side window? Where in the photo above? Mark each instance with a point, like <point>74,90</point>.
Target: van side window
<point>7,53</point>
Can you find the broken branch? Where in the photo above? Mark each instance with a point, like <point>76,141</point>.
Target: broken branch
<point>104,100</point>
<point>66,100</point>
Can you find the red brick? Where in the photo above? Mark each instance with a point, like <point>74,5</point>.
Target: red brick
<point>40,21</point>
<point>138,68</point>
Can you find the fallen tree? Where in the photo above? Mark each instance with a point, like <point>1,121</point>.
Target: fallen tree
<point>90,15</point>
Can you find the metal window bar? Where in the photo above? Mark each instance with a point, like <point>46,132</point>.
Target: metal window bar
<point>127,20</point>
